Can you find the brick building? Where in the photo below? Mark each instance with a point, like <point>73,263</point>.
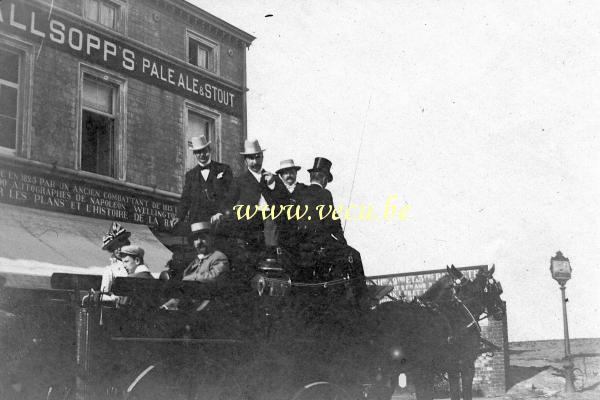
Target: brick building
<point>98,99</point>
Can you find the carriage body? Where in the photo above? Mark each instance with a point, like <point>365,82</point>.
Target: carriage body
<point>247,343</point>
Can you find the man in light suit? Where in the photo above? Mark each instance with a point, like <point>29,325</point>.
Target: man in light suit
<point>209,265</point>
<point>207,185</point>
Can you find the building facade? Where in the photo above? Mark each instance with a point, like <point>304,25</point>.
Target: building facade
<point>99,98</point>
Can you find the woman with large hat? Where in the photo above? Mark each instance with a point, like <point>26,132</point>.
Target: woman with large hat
<point>112,241</point>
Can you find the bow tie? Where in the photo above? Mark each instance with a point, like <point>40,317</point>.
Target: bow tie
<point>203,167</point>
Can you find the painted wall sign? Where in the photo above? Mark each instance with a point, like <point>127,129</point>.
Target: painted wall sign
<point>411,285</point>
<point>32,188</point>
<point>64,34</point>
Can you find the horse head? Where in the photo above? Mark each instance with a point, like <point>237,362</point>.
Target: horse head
<point>488,291</point>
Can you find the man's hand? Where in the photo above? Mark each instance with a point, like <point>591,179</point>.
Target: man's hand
<point>215,219</point>
<point>269,177</point>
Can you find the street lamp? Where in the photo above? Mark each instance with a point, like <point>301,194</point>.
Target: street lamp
<point>561,272</point>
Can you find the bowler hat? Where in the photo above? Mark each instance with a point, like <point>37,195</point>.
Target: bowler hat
<point>323,165</point>
<point>251,147</point>
<point>198,143</point>
<point>114,234</point>
<point>287,164</point>
<point>131,250</point>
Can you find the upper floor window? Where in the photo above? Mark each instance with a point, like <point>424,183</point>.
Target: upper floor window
<point>9,98</point>
<point>108,13</point>
<point>102,142</point>
<point>201,121</point>
<point>202,52</point>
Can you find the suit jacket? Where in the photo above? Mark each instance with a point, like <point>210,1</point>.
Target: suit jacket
<point>288,227</point>
<point>207,269</point>
<point>246,192</point>
<point>202,199</point>
<point>320,221</point>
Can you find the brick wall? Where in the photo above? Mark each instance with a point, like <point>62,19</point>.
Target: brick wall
<point>54,102</point>
<point>163,28</point>
<point>155,139</point>
<point>490,375</point>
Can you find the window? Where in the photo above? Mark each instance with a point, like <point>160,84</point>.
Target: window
<point>202,122</point>
<point>98,126</point>
<point>107,13</point>
<point>202,52</point>
<point>9,98</point>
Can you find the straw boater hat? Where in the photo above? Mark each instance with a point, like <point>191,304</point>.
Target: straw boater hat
<point>287,164</point>
<point>198,143</point>
<point>251,147</point>
<point>114,234</point>
<point>200,227</point>
<point>323,165</point>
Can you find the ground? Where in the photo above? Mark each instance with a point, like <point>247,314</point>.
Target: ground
<point>535,370</point>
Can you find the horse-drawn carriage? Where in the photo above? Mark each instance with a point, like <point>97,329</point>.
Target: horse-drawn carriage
<point>270,338</point>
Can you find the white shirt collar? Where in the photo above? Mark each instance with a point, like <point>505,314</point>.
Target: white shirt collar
<point>316,183</point>
<point>290,188</point>
<point>141,268</point>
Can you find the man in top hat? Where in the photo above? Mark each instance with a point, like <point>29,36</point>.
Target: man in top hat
<point>209,264</point>
<point>327,225</point>
<point>206,189</point>
<point>324,232</point>
<point>255,187</point>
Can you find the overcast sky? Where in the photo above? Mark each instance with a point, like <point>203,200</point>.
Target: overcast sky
<point>483,117</point>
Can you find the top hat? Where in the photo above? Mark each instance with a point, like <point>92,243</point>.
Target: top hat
<point>198,143</point>
<point>131,250</point>
<point>287,164</point>
<point>114,234</point>
<point>251,147</point>
<point>323,165</point>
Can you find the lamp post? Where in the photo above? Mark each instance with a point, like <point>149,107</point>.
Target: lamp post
<point>561,272</point>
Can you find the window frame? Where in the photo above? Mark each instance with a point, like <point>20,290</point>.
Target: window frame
<point>208,113</point>
<point>25,52</point>
<point>120,15</point>
<point>120,118</point>
<point>213,57</point>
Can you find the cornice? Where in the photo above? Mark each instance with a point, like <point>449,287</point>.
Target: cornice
<point>208,22</point>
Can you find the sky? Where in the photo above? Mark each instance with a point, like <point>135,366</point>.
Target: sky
<point>479,120</point>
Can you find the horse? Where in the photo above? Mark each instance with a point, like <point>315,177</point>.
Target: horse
<point>439,331</point>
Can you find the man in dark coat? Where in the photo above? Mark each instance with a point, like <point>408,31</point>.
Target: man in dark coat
<point>207,185</point>
<point>322,222</point>
<point>252,190</point>
<point>289,191</point>
<point>325,255</point>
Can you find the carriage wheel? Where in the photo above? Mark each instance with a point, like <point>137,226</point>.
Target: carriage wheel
<point>321,391</point>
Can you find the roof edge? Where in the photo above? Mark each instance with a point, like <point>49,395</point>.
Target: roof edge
<point>216,21</point>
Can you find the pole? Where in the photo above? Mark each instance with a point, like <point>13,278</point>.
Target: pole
<point>568,367</point>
